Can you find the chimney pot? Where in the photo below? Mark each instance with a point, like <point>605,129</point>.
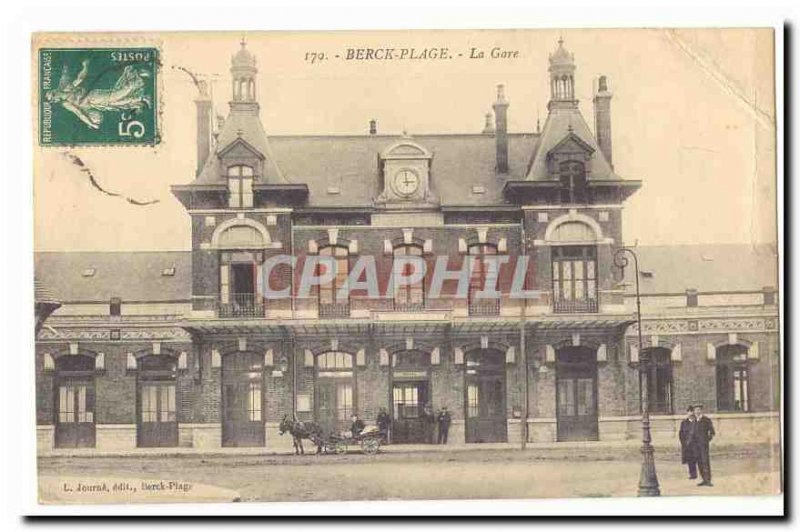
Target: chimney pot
<point>602,118</point>
<point>373,127</point>
<point>203,104</point>
<point>501,130</point>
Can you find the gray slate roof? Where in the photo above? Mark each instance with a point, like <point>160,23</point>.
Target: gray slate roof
<point>137,276</point>
<point>707,268</point>
<point>133,276</point>
<point>559,124</point>
<point>350,163</point>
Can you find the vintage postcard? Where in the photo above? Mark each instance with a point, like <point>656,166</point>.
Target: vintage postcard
<point>405,265</point>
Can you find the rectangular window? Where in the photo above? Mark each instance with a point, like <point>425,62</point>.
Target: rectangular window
<point>566,397</point>
<point>254,401</point>
<point>334,293</point>
<point>473,405</point>
<point>585,403</point>
<point>344,402</point>
<point>115,306</point>
<point>574,278</point>
<point>406,402</point>
<point>149,404</point>
<point>234,192</point>
<point>168,403</point>
<point>409,295</point>
<point>740,389</point>
<point>483,274</point>
<point>66,404</point>
<point>240,186</point>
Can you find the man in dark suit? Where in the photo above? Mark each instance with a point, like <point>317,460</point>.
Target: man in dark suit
<point>686,435</point>
<point>703,434</point>
<point>444,420</point>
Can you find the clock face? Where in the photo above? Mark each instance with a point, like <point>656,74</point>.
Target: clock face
<point>406,182</point>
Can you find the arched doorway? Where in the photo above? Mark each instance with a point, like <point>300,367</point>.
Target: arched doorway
<point>157,416</point>
<point>74,401</point>
<point>335,391</point>
<point>410,395</point>
<point>485,396</point>
<point>242,400</point>
<point>576,394</point>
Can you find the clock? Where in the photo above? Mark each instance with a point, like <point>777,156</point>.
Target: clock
<point>405,182</point>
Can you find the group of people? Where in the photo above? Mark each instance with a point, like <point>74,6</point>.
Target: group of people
<point>695,434</point>
<point>443,419</point>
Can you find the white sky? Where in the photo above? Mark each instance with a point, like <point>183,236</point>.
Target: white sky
<point>692,116</point>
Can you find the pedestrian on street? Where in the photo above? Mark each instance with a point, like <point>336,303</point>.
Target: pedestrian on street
<point>384,424</point>
<point>703,434</point>
<point>429,419</point>
<point>444,425</point>
<point>686,435</point>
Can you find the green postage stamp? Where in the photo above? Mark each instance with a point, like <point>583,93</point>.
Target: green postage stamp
<point>104,96</point>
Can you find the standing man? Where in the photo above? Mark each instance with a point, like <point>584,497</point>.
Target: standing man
<point>686,435</point>
<point>444,425</point>
<point>429,419</point>
<point>703,434</point>
<point>384,421</point>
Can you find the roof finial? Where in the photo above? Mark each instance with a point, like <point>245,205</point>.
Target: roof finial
<point>538,128</point>
<point>243,42</point>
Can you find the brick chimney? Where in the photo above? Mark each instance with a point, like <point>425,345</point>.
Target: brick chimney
<point>602,118</point>
<point>501,130</point>
<point>373,127</point>
<point>203,104</point>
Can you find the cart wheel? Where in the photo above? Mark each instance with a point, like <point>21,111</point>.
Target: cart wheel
<point>341,448</point>
<point>370,445</point>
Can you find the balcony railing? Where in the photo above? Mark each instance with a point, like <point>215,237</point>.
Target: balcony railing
<point>242,306</point>
<point>574,306</point>
<point>406,306</point>
<point>334,310</point>
<point>484,307</point>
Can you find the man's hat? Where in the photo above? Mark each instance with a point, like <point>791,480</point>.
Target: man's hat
<point>696,405</point>
<point>690,408</point>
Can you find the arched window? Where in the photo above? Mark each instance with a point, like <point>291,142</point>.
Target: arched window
<point>240,237</point>
<point>482,272</point>
<point>574,278</point>
<point>410,296</point>
<point>572,175</point>
<point>335,360</point>
<point>333,301</point>
<point>733,379</point>
<point>240,186</point>
<point>659,380</point>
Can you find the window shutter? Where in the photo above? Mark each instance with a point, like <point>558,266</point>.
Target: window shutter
<point>224,279</point>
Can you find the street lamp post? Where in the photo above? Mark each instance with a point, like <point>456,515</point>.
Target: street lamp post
<point>648,480</point>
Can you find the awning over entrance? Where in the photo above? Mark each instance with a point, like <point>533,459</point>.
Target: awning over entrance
<point>381,326</point>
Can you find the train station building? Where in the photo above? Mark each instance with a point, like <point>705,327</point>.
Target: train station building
<point>184,349</point>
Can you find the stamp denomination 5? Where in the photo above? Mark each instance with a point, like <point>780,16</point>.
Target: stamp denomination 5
<point>98,96</point>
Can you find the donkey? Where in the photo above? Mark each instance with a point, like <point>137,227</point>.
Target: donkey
<point>301,430</point>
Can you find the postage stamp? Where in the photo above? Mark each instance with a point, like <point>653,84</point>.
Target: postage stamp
<point>104,96</point>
